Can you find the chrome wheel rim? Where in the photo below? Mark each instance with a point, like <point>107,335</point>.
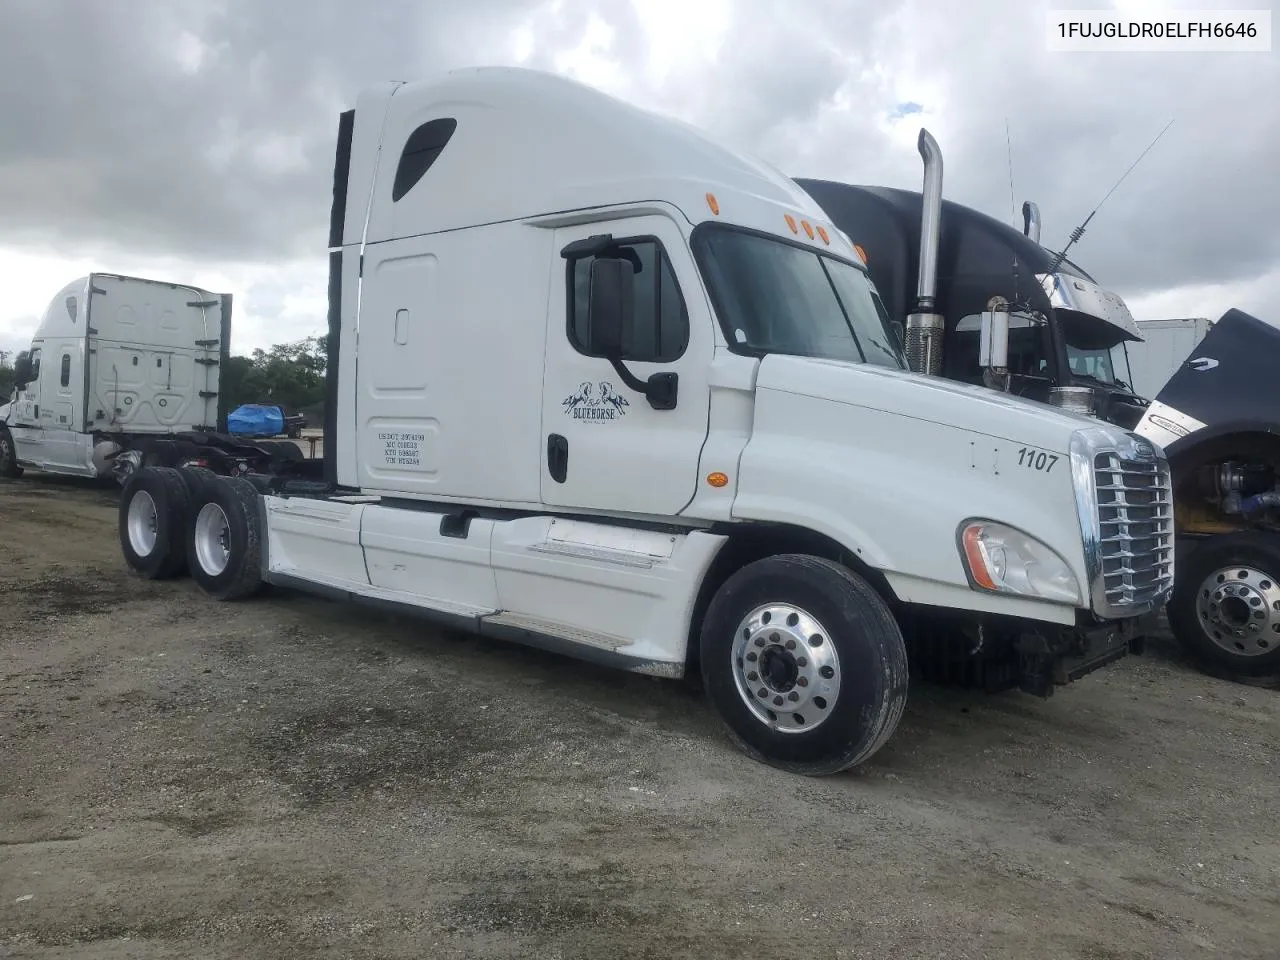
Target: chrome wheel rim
<point>1239,610</point>
<point>785,667</point>
<point>142,524</point>
<point>212,539</point>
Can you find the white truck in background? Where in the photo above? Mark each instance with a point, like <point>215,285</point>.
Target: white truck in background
<point>122,372</point>
<point>625,394</point>
<point>1164,347</point>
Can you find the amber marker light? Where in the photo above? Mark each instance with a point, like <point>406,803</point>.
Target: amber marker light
<point>808,228</point>
<point>976,553</point>
<point>717,479</point>
<point>713,204</point>
<point>862,254</point>
<point>822,232</point>
<point>791,222</point>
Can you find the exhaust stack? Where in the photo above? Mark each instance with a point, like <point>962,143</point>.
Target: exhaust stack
<point>1031,220</point>
<point>925,326</point>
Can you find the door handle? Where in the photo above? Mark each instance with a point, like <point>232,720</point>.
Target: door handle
<point>557,457</point>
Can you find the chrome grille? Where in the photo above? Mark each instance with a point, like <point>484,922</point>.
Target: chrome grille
<point>1135,528</point>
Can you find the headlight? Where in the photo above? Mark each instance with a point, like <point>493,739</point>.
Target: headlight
<point>1001,559</point>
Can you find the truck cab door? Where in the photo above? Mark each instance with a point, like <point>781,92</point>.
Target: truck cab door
<point>605,446</point>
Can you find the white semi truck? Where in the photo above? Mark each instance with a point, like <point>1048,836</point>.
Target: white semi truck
<point>601,385</point>
<point>124,372</point>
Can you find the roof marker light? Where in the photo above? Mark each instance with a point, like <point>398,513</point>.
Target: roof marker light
<point>713,204</point>
<point>862,254</point>
<point>822,232</point>
<point>808,228</point>
<point>791,222</point>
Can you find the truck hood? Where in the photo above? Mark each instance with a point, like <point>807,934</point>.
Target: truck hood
<point>921,397</point>
<point>1226,384</point>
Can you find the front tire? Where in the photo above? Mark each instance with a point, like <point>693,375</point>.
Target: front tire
<point>1225,608</point>
<point>154,505</point>
<point>804,663</point>
<point>9,468</point>
<point>224,539</point>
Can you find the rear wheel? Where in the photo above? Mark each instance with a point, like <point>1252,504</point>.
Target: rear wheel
<point>1225,609</point>
<point>8,456</point>
<point>154,506</point>
<point>224,539</point>
<point>805,664</point>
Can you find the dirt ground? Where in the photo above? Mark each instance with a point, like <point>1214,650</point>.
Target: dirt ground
<point>289,777</point>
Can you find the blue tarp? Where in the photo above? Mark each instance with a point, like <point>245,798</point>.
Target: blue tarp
<point>256,420</point>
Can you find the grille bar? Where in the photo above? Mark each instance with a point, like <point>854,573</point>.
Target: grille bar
<point>1135,528</point>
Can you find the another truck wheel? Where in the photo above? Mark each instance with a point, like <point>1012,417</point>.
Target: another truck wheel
<point>195,478</point>
<point>224,539</point>
<point>1225,609</point>
<point>805,664</point>
<point>154,506</point>
<point>8,457</point>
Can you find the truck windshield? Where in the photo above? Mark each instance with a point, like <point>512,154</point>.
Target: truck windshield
<point>1106,365</point>
<point>778,297</point>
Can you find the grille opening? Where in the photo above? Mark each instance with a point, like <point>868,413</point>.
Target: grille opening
<point>1135,528</point>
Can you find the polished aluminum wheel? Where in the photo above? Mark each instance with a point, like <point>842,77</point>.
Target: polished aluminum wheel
<point>786,668</point>
<point>142,524</point>
<point>1239,610</point>
<point>212,539</point>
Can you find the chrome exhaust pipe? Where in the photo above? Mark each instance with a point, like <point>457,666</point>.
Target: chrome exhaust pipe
<point>1031,220</point>
<point>925,327</point>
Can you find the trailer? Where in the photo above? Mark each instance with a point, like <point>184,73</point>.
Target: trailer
<point>124,372</point>
<point>1165,345</point>
<point>997,308</point>
<point>627,394</point>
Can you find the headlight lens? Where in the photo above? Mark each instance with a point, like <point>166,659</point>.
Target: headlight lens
<point>1002,559</point>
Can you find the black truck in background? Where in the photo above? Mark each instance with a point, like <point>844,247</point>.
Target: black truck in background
<point>975,300</point>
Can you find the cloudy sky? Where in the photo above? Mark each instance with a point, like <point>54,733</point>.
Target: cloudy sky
<point>192,140</point>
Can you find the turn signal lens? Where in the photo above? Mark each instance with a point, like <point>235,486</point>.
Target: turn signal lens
<point>717,479</point>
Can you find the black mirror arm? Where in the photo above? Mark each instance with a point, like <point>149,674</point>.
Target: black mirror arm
<point>661,389</point>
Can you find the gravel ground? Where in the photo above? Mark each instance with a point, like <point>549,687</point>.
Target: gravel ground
<point>290,777</point>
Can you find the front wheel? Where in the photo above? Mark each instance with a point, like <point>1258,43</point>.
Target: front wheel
<point>804,663</point>
<point>9,468</point>
<point>1225,609</point>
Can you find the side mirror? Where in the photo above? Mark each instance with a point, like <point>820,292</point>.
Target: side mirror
<point>611,305</point>
<point>993,343</point>
<point>22,370</point>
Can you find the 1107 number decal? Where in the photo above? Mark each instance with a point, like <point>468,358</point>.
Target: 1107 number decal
<point>1036,459</point>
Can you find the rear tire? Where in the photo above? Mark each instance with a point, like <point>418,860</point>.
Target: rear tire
<point>804,663</point>
<point>224,539</point>
<point>154,506</point>
<point>1225,608</point>
<point>9,468</point>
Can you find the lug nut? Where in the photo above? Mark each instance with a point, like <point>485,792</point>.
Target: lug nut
<point>793,696</point>
<point>777,701</point>
<point>802,681</point>
<point>753,676</point>
<point>791,644</point>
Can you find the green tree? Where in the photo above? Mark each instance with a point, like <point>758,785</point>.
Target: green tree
<point>288,374</point>
<point>6,377</point>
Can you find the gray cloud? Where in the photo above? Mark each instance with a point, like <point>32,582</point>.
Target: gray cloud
<point>110,144</point>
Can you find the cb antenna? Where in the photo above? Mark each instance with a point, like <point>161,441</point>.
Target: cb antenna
<point>1078,232</point>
